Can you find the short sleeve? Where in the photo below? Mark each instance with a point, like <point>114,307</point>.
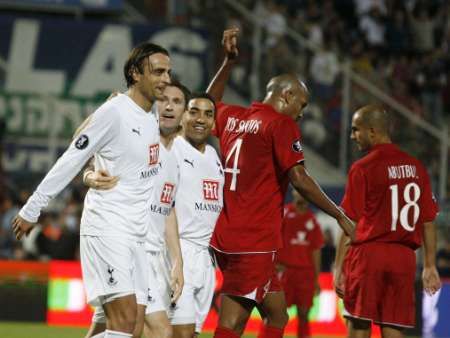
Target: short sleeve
<point>223,111</point>
<point>286,143</point>
<point>355,191</point>
<point>428,204</point>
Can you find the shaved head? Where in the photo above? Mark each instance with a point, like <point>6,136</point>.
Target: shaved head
<point>287,94</point>
<point>376,117</point>
<point>286,82</point>
<point>370,126</point>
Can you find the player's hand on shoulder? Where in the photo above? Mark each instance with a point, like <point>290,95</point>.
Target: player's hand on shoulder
<point>21,226</point>
<point>112,95</point>
<point>229,42</point>
<point>100,180</point>
<point>431,281</point>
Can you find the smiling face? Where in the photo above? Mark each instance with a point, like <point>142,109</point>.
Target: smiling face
<point>155,76</point>
<point>171,109</point>
<point>198,122</point>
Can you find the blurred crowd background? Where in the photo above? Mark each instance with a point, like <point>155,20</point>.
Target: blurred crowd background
<point>400,47</point>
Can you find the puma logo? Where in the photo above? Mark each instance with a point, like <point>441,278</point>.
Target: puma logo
<point>190,162</point>
<point>137,131</point>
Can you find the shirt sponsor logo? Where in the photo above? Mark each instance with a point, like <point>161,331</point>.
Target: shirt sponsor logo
<point>235,125</point>
<point>157,209</point>
<point>166,194</point>
<point>297,146</point>
<point>149,173</point>
<point>82,142</point>
<point>210,190</point>
<point>153,154</point>
<point>201,206</point>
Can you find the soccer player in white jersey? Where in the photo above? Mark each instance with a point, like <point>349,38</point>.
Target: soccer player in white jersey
<point>164,286</point>
<point>123,137</point>
<point>199,200</point>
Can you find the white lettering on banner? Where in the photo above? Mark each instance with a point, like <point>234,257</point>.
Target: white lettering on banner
<point>111,49</point>
<point>35,116</point>
<point>102,70</point>
<point>184,46</point>
<point>21,76</point>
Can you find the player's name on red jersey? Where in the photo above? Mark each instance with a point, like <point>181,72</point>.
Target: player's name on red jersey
<point>239,126</point>
<point>402,171</point>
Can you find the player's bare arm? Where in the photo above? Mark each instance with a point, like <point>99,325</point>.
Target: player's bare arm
<point>217,85</point>
<point>173,246</point>
<point>339,277</point>
<point>430,275</point>
<point>310,190</point>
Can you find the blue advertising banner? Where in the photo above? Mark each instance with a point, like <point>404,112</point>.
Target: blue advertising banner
<point>53,73</point>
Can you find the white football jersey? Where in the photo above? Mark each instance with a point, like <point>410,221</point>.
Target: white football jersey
<point>124,140</point>
<point>199,197</point>
<point>162,200</point>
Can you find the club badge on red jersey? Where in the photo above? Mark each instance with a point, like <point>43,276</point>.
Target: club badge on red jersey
<point>297,146</point>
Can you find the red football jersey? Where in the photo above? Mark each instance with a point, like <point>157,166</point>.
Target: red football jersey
<point>258,147</point>
<point>388,193</point>
<point>301,236</point>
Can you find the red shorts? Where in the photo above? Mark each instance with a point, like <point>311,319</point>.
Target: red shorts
<point>250,275</point>
<point>379,283</point>
<point>298,285</point>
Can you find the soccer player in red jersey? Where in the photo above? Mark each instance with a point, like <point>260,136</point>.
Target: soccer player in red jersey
<point>388,195</point>
<point>299,259</point>
<point>261,153</point>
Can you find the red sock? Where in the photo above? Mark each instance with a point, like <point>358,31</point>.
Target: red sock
<point>271,332</point>
<point>224,332</point>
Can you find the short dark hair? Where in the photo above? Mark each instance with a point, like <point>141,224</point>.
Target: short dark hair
<point>186,92</point>
<point>137,56</point>
<point>203,95</point>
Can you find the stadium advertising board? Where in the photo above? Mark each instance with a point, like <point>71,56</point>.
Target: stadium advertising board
<point>58,71</point>
<point>66,303</point>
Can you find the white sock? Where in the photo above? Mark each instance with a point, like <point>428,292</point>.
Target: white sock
<point>99,335</point>
<point>116,334</point>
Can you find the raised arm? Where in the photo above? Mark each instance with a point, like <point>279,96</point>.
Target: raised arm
<point>217,85</point>
<point>310,190</point>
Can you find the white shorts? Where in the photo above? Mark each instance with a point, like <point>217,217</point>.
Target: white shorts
<point>199,282</point>
<point>159,291</point>
<point>113,265</point>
